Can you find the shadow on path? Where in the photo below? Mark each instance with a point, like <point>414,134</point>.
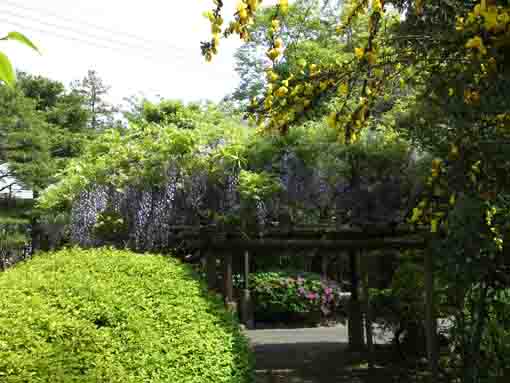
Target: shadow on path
<point>291,356</point>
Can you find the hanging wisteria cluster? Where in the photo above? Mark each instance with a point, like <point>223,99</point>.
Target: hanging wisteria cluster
<point>139,188</point>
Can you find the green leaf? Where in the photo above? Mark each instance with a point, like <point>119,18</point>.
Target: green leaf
<point>21,38</point>
<point>7,74</point>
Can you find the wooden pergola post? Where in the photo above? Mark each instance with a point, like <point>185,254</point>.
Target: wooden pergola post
<point>355,327</point>
<point>228,287</point>
<point>367,311</point>
<point>324,265</point>
<point>246,302</point>
<point>211,269</point>
<point>430,320</point>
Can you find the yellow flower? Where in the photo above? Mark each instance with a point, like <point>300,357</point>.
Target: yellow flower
<point>433,225</point>
<point>281,91</point>
<point>359,53</point>
<point>476,43</point>
<point>209,15</point>
<point>504,18</point>
<point>275,24</point>
<point>272,76</point>
<point>459,25</point>
<point>376,5</point>
<point>273,54</point>
<point>284,6</point>
<point>491,19</point>
<point>268,102</point>
<point>313,70</point>
<point>476,10</point>
<point>278,43</point>
<point>343,89</point>
<point>216,40</point>
<point>241,5</point>
<point>215,28</point>
<point>253,4</point>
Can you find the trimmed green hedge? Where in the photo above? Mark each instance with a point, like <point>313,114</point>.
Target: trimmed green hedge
<point>106,315</point>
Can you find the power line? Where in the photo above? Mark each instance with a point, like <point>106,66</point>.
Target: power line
<point>76,39</point>
<point>81,33</point>
<point>61,17</point>
<point>157,92</point>
<point>109,44</point>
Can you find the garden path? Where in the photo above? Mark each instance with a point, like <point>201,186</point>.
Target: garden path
<point>320,355</point>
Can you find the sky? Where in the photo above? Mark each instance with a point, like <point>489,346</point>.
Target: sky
<point>149,47</point>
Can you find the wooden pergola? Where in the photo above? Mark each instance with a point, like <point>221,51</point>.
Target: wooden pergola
<point>219,244</point>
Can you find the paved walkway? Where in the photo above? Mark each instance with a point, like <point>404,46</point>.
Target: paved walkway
<point>316,355</point>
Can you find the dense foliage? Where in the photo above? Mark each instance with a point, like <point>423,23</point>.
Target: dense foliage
<point>198,165</point>
<point>43,125</point>
<point>113,316</point>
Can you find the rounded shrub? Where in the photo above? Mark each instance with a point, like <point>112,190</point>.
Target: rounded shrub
<point>107,315</point>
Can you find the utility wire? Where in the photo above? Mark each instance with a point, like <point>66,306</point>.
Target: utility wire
<point>139,51</point>
<point>152,59</point>
<point>60,17</point>
<point>103,39</point>
<point>94,43</point>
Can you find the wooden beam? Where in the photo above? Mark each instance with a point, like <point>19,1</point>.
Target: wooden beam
<point>282,244</point>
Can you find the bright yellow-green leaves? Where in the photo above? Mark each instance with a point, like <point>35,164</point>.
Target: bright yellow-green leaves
<point>7,72</point>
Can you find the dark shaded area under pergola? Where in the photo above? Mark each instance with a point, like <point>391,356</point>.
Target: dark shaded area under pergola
<point>217,244</point>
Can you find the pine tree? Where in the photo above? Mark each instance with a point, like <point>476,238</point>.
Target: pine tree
<point>94,91</point>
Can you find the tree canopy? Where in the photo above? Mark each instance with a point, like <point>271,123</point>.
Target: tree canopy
<point>43,125</point>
